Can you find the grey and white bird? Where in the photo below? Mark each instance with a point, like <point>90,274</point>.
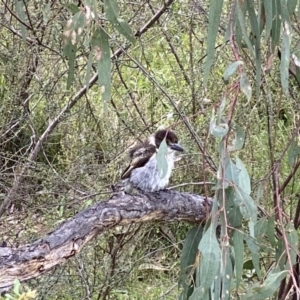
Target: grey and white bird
<point>143,172</point>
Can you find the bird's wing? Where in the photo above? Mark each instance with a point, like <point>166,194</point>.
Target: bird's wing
<point>139,157</point>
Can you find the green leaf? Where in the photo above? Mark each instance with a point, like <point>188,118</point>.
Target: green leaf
<point>214,15</point>
<point>244,179</point>
<point>88,71</point>
<point>254,248</point>
<point>256,41</point>
<point>268,14</point>
<point>292,238</point>
<point>112,13</point>
<point>267,288</point>
<point>230,70</point>
<point>285,58</point>
<point>217,130</point>
<point>293,153</point>
<point>73,8</point>
<point>239,139</point>
<point>101,51</point>
<point>70,51</point>
<point>245,86</point>
<point>232,173</point>
<point>226,275</point>
<point>188,255</point>
<point>162,164</point>
<point>243,28</point>
<point>276,24</point>
<point>21,14</point>
<point>238,245</point>
<point>271,231</point>
<point>17,287</point>
<point>210,258</point>
<point>234,216</point>
<point>291,6</point>
<point>246,204</point>
<point>260,229</point>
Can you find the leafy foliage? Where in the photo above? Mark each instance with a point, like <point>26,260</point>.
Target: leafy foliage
<point>61,151</point>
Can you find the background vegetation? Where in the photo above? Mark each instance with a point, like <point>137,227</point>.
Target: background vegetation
<point>62,144</point>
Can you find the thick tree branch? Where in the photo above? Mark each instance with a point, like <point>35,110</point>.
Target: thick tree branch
<point>33,260</point>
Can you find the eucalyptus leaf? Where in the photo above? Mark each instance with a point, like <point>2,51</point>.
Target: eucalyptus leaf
<point>21,14</point>
<point>244,178</point>
<point>214,15</point>
<point>234,216</point>
<point>271,231</point>
<point>16,288</point>
<point>239,140</point>
<point>226,275</point>
<point>267,288</point>
<point>242,22</point>
<point>101,51</point>
<point>254,249</point>
<point>230,70</point>
<point>293,153</point>
<point>238,245</point>
<point>188,256</point>
<point>162,164</point>
<point>112,15</point>
<point>88,71</point>
<point>245,86</point>
<point>276,24</point>
<point>291,6</point>
<point>210,258</point>
<point>269,16</point>
<point>232,172</point>
<point>285,58</point>
<point>70,51</point>
<point>292,238</point>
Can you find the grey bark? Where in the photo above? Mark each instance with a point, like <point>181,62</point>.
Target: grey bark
<point>33,260</point>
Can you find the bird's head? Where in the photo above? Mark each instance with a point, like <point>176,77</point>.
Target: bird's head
<point>171,139</point>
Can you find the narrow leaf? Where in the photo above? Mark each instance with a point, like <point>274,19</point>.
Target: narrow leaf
<point>243,28</point>
<point>292,238</point>
<point>162,164</point>
<point>267,288</point>
<point>293,153</point>
<point>285,58</point>
<point>226,274</point>
<point>246,204</point>
<point>268,14</point>
<point>245,86</point>
<point>244,179</point>
<point>88,71</point>
<point>239,140</point>
<point>210,257</point>
<point>21,14</point>
<point>291,6</point>
<point>271,231</point>
<point>112,13</point>
<point>232,173</point>
<point>256,42</point>
<point>214,15</point>
<point>276,24</point>
<point>101,51</point>
<point>234,216</point>
<point>188,256</point>
<point>254,248</point>
<point>230,70</point>
<point>70,51</point>
<point>218,130</point>
<point>238,245</point>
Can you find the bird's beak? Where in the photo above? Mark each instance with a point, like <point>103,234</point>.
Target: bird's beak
<point>176,147</point>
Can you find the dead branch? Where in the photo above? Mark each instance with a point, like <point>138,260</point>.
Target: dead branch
<point>33,260</point>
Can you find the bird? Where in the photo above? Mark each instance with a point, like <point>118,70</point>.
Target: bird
<point>143,172</point>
